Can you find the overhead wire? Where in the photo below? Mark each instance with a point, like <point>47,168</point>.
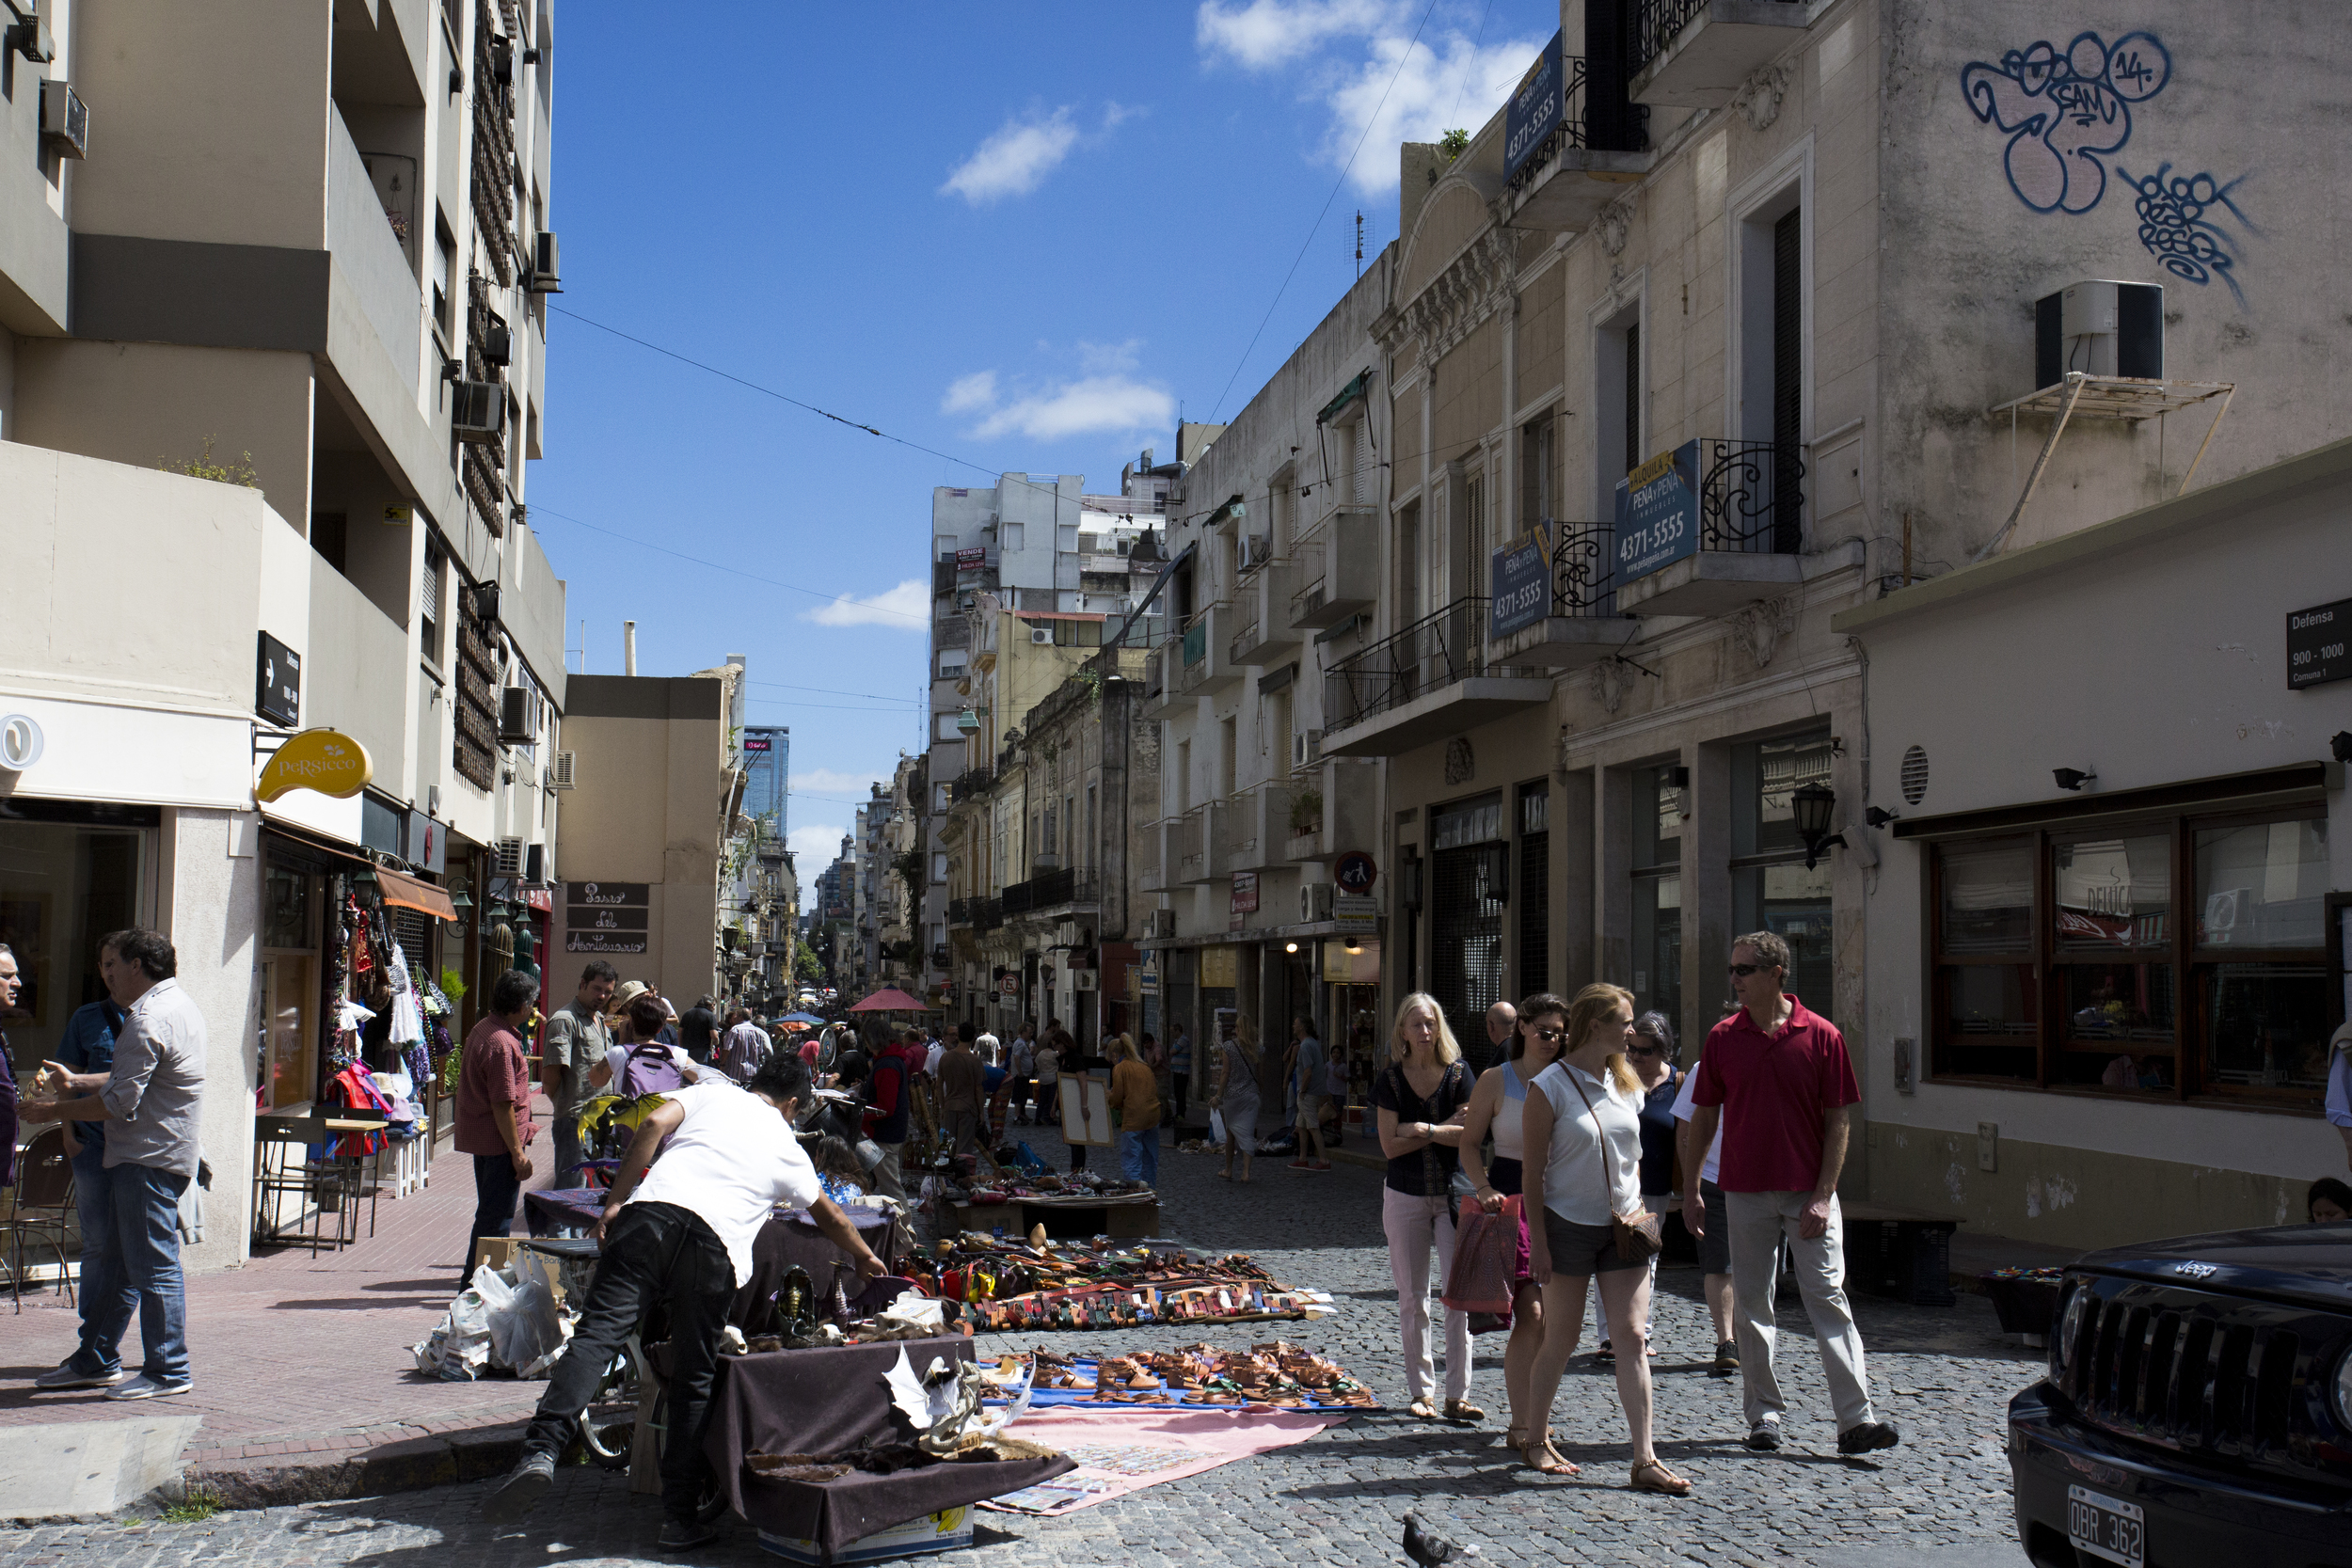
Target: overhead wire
<point>540,511</point>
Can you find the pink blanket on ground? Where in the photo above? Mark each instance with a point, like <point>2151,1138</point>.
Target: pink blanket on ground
<point>1119,1453</point>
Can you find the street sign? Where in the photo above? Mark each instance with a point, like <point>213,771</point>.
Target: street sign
<point>277,695</point>
<point>1244,893</point>
<point>2317,641</point>
<point>1521,582</point>
<point>607,917</point>
<point>1354,914</point>
<point>1535,110</point>
<point>1355,873</point>
<point>1657,513</point>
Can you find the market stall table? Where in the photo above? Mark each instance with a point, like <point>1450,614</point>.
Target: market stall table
<point>1121,1214</point>
<point>790,1239</point>
<point>825,1401</point>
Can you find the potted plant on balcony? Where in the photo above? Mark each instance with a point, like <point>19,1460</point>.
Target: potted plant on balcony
<point>1306,813</point>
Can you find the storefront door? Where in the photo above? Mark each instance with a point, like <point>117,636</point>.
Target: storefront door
<point>1470,867</point>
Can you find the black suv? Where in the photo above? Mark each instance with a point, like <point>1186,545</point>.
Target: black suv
<point>2197,1409</point>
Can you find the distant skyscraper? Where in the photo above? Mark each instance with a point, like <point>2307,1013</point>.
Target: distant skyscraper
<point>767,763</point>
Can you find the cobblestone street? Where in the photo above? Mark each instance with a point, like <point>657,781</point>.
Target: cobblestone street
<point>1943,1377</point>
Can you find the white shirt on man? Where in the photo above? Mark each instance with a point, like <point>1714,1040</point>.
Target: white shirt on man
<point>731,1162</point>
<point>1686,1110</point>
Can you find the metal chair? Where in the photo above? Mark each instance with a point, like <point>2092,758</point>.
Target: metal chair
<point>41,1208</point>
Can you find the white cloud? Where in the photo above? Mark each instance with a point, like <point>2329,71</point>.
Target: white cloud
<point>1015,160</point>
<point>1268,33</point>
<point>814,847</point>
<point>965,393</point>
<point>1094,403</point>
<point>906,606</point>
<point>833,783</point>
<point>1361,58</point>
<point>1110,358</point>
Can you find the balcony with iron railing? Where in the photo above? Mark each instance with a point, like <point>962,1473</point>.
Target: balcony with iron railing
<point>1699,53</point>
<point>1741,541</point>
<point>1558,609</point>
<point>971,783</point>
<point>1432,679</point>
<point>1598,145</point>
<point>1205,655</point>
<point>1053,891</point>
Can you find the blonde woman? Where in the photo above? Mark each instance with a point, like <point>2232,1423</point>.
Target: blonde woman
<point>1419,1097</point>
<point>1235,1096</point>
<point>1498,1103</point>
<point>1136,1110</point>
<point>1583,1146</point>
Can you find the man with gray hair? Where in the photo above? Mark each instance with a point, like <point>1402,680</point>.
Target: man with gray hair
<point>151,1095</point>
<point>1776,1075</point>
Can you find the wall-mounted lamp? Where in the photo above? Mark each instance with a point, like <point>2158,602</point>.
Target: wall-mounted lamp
<point>1879,816</point>
<point>1811,805</point>
<point>1354,946</point>
<point>2073,778</point>
<point>2340,745</point>
<point>969,721</point>
<point>1290,947</point>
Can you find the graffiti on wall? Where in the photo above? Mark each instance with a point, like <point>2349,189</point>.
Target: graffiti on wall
<point>2069,111</point>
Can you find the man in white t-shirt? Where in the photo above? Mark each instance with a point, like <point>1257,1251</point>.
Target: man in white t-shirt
<point>1714,1246</point>
<point>682,1234</point>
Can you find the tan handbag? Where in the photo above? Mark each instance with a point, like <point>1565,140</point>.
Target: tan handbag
<point>1640,1235</point>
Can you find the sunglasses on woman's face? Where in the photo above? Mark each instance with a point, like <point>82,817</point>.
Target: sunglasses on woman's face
<point>1651,1049</point>
<point>1549,1037</point>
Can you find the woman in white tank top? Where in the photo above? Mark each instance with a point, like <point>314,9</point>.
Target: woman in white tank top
<point>1496,1105</point>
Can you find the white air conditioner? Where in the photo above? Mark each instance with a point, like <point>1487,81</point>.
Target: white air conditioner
<point>477,410</point>
<point>1315,902</point>
<point>506,858</point>
<point>1041,636</point>
<point>1256,550</point>
<point>1159,924</point>
<point>563,771</point>
<point>1306,748</point>
<point>63,120</point>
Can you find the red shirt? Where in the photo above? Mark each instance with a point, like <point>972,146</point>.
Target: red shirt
<point>491,1073</point>
<point>1774,1090</point>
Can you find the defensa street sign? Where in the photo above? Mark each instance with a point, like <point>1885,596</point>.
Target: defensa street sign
<point>2317,639</point>
<point>1521,586</point>
<point>1657,513</point>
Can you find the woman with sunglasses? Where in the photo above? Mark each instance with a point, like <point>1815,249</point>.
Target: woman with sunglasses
<point>1652,1058</point>
<point>1498,1103</point>
<point>1583,1150</point>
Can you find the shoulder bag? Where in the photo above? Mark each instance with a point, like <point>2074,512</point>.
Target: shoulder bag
<point>1640,1235</point>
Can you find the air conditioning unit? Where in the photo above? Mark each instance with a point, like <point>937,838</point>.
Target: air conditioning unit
<point>506,858</point>
<point>1256,550</point>
<point>1306,748</point>
<point>518,716</point>
<point>535,864</point>
<point>2099,327</point>
<point>30,37</point>
<point>543,278</point>
<point>1041,636</point>
<point>1315,902</point>
<point>498,341</point>
<point>1159,924</point>
<point>562,770</point>
<point>477,410</point>
<point>64,120</point>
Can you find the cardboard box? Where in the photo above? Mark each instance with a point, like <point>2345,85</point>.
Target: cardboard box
<point>497,1251</point>
<point>947,1531</point>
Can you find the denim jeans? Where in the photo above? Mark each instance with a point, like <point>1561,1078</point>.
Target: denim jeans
<point>566,1154</point>
<point>1139,1155</point>
<point>654,1252</point>
<point>146,1249</point>
<point>495,1189</point>
<point>106,1297</point>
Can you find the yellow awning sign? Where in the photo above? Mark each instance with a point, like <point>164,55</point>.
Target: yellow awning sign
<point>322,760</point>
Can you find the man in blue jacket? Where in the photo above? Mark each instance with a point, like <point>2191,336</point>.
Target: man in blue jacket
<point>89,1046</point>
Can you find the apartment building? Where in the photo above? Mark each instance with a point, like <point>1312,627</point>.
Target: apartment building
<point>271,363</point>
<point>1737,319</point>
<point>1274,575</point>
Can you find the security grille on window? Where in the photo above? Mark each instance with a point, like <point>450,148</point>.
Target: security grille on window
<point>1468,891</point>
<point>1771,889</point>
<point>1535,888</point>
<point>1657,864</point>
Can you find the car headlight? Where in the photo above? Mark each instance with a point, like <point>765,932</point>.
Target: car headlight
<point>2344,1389</point>
<point>2062,1345</point>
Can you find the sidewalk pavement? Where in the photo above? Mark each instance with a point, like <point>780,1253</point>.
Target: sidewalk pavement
<point>304,1381</point>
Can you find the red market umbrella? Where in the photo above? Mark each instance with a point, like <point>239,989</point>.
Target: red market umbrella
<point>890,1000</point>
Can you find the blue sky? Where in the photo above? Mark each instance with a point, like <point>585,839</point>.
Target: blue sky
<point>1024,235</point>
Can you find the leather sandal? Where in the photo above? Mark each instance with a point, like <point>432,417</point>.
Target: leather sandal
<point>1540,1457</point>
<point>1650,1476</point>
<point>1462,1410</point>
<point>1424,1409</point>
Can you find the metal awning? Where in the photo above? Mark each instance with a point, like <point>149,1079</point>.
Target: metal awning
<point>411,892</point>
<point>1349,393</point>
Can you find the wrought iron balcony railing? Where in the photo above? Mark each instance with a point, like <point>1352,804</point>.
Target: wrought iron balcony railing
<point>1584,583</point>
<point>969,782</point>
<point>1655,25</point>
<point>1591,121</point>
<point>1050,890</point>
<point>1435,652</point>
<point>1752,497</point>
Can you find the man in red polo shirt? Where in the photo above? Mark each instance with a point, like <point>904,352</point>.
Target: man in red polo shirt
<point>1776,1076</point>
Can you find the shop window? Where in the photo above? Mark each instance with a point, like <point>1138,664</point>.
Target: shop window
<point>2138,979</point>
<point>63,885</point>
<point>1771,888</point>
<point>1658,890</point>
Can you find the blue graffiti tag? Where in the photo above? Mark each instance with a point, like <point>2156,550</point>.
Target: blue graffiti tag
<point>2174,228</point>
<point>2066,111</point>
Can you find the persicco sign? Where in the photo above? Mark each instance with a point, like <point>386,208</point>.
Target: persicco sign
<point>322,760</point>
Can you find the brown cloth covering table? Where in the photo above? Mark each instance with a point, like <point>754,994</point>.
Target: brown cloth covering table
<point>823,1402</point>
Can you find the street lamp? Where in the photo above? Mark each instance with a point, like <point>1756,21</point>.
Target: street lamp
<point>1811,804</point>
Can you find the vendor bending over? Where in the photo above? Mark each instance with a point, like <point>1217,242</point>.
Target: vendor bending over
<point>682,1234</point>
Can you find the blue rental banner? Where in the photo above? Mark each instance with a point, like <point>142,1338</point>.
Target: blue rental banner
<point>1521,589</point>
<point>1536,109</point>
<point>1657,513</point>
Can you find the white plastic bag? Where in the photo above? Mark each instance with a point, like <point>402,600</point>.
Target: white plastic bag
<point>525,1326</point>
<point>1216,1129</point>
<point>459,1348</point>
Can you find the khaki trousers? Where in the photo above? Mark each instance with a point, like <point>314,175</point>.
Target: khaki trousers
<point>1757,1221</point>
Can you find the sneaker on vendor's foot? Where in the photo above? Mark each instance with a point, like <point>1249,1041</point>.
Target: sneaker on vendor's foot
<point>1867,1437</point>
<point>520,1490</point>
<point>67,1376</point>
<point>148,1386</point>
<point>1765,1435</point>
<point>1726,1359</point>
<point>679,1534</point>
